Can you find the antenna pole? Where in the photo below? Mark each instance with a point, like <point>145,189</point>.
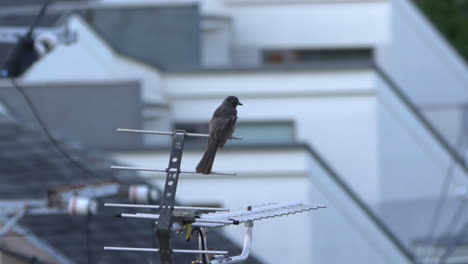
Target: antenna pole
<point>167,202</point>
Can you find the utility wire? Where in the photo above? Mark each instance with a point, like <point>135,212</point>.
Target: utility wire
<point>38,18</point>
<point>453,223</point>
<point>444,190</point>
<point>33,108</point>
<point>48,134</point>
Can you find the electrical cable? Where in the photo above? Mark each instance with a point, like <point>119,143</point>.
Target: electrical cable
<point>444,190</point>
<point>33,108</point>
<point>38,18</point>
<point>453,244</point>
<point>453,223</point>
<point>202,237</point>
<point>47,133</point>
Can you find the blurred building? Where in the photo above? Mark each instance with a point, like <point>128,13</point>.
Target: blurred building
<point>353,104</point>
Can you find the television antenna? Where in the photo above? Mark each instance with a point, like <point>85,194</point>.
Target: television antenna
<point>172,218</point>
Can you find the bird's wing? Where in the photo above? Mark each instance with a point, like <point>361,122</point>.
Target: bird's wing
<point>221,129</point>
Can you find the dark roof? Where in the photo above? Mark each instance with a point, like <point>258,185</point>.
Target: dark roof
<point>29,167</point>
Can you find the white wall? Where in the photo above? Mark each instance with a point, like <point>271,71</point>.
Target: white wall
<point>305,24</point>
<point>448,119</point>
<point>334,111</point>
<point>91,59</point>
<point>342,233</point>
<point>421,61</point>
<point>216,42</point>
<point>412,163</point>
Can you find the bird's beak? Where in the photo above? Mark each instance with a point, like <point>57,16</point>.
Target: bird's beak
<point>240,103</point>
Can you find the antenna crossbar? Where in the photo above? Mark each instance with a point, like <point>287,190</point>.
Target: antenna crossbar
<point>162,170</point>
<point>187,251</point>
<point>166,133</point>
<point>150,206</point>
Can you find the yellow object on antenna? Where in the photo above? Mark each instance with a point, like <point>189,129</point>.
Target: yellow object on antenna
<point>188,231</point>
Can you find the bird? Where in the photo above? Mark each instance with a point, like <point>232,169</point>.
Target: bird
<point>221,128</point>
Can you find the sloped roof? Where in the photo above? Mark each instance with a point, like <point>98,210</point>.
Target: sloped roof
<point>30,165</point>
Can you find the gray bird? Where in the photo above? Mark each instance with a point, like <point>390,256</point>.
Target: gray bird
<point>222,127</point>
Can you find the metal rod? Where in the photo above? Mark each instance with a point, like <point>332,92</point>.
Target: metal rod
<point>209,221</point>
<point>161,170</point>
<point>195,251</point>
<point>247,245</point>
<point>254,210</point>
<point>136,168</point>
<point>132,249</point>
<point>188,251</point>
<point>139,215</point>
<point>156,216</point>
<point>145,131</point>
<point>166,133</point>
<point>175,207</point>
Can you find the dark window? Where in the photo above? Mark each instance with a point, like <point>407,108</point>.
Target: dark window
<point>305,56</point>
<point>253,133</point>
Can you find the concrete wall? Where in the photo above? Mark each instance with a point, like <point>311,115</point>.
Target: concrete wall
<point>343,233</point>
<point>331,110</point>
<point>216,41</point>
<point>87,113</point>
<point>421,61</point>
<point>412,163</point>
<point>308,24</point>
<point>157,35</point>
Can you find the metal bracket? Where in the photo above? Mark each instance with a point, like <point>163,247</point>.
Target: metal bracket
<point>223,259</point>
<point>168,199</point>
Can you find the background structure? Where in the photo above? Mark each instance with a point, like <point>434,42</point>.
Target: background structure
<point>360,105</point>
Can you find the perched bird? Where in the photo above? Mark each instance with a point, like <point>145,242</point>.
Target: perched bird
<point>222,127</point>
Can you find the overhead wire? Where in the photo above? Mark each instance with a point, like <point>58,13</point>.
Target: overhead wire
<point>33,109</point>
<point>436,216</point>
<point>53,142</point>
<point>453,223</point>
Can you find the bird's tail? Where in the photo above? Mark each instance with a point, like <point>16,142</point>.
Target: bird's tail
<point>206,163</point>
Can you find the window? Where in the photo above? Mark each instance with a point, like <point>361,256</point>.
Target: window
<point>307,56</point>
<point>253,133</point>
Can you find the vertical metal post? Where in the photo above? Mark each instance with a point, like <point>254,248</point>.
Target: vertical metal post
<point>202,245</point>
<point>167,202</point>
